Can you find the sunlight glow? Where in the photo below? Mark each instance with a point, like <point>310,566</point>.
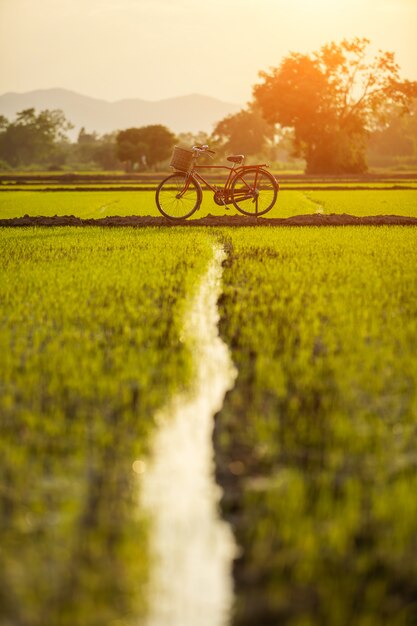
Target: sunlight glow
<point>161,48</point>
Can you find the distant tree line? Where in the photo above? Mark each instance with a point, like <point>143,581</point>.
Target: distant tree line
<point>40,141</point>
<point>32,137</point>
<point>335,109</point>
<point>395,144</point>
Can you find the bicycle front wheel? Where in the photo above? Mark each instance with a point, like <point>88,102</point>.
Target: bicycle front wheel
<point>177,198</point>
<point>254,191</point>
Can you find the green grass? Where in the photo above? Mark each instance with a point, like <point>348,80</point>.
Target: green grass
<point>90,328</point>
<point>85,204</point>
<point>316,442</point>
<point>366,202</point>
<point>97,204</point>
<point>80,186</point>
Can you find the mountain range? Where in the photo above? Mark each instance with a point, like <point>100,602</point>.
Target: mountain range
<point>191,113</point>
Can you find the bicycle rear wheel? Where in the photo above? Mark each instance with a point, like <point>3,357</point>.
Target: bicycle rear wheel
<point>175,200</point>
<point>254,191</point>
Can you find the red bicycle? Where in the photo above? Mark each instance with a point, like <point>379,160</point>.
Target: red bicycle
<point>249,188</point>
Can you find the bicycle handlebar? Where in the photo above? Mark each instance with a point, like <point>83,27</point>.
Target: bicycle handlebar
<point>204,148</point>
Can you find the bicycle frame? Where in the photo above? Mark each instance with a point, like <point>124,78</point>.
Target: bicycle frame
<point>234,172</point>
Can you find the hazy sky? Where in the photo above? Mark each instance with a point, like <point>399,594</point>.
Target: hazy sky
<point>154,49</point>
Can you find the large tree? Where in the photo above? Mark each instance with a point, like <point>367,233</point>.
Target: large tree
<point>144,146</point>
<point>244,132</point>
<point>332,99</point>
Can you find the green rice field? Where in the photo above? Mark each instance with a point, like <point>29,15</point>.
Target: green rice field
<point>316,442</point>
<point>90,330</point>
<point>98,204</point>
<point>314,446</point>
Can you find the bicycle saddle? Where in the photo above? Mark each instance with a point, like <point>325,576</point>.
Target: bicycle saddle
<point>236,158</point>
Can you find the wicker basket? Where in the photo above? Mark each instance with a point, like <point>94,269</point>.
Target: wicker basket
<point>181,159</point>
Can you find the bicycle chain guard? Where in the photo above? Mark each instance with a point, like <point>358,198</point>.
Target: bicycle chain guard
<point>221,199</point>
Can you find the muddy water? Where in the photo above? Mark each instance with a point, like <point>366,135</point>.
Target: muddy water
<point>192,548</point>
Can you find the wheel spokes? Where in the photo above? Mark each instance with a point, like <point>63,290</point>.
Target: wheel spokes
<point>254,192</point>
<point>178,198</point>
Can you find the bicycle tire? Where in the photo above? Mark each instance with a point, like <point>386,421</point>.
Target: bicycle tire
<point>244,186</point>
<point>168,202</point>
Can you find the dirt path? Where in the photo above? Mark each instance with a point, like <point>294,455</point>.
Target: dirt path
<point>213,220</point>
<point>192,548</point>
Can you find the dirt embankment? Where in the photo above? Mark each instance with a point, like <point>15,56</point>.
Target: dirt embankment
<point>212,220</point>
